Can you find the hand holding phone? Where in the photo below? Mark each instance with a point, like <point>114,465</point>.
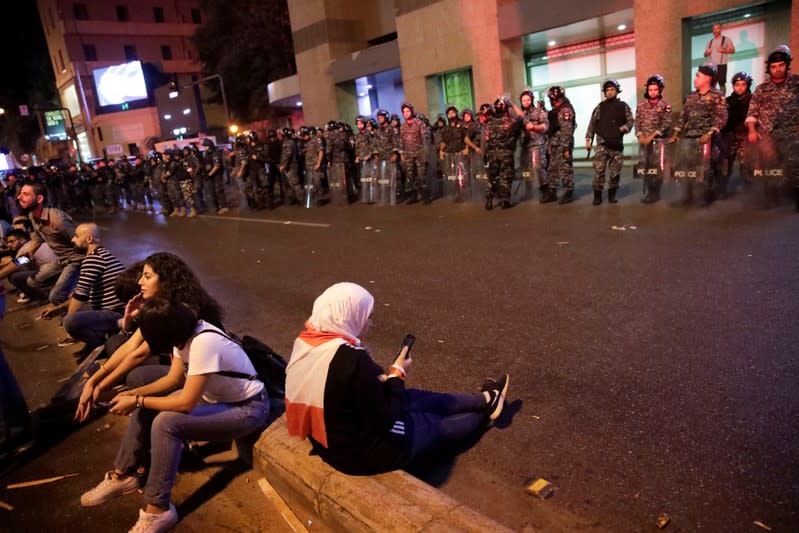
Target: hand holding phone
<point>21,260</point>
<point>403,358</point>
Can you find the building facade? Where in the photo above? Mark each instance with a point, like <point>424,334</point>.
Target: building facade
<point>88,35</point>
<point>356,57</point>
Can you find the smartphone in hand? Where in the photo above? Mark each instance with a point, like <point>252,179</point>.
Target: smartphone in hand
<point>405,347</point>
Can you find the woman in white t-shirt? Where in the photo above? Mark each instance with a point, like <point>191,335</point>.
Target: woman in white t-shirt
<point>221,399</point>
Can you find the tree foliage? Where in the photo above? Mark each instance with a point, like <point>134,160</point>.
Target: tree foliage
<point>247,42</point>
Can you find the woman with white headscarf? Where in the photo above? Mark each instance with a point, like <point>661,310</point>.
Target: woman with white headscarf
<point>359,418</point>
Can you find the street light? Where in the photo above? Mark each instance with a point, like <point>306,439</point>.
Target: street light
<point>2,111</point>
<point>222,87</point>
<point>233,129</point>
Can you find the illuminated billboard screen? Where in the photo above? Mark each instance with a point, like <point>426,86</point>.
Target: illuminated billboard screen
<point>120,84</point>
<point>55,126</point>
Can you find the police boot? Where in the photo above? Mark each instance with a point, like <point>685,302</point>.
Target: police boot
<point>708,197</point>
<point>507,204</point>
<point>598,197</point>
<point>688,195</point>
<point>646,197</point>
<point>612,195</point>
<point>192,213</point>
<point>567,198</point>
<point>548,194</point>
<point>654,195</point>
<point>489,205</point>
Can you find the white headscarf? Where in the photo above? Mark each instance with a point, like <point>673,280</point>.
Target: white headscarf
<point>343,308</point>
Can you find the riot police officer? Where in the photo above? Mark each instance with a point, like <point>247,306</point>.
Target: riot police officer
<point>652,123</point>
<point>211,176</point>
<point>413,149</point>
<point>290,165</point>
<point>502,134</point>
<point>733,135</point>
<point>562,123</point>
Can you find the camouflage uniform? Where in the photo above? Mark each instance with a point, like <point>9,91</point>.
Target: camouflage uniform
<point>733,135</point>
<point>501,135</point>
<point>313,176</point>
<point>610,120</point>
<point>337,153</point>
<point>454,168</point>
<point>212,177</point>
<point>253,174</point>
<point>775,110</point>
<point>191,166</point>
<point>534,147</point>
<point>364,148</point>
<point>651,119</point>
<point>386,144</point>
<point>289,165</point>
<point>703,114</point>
<point>173,173</point>
<point>561,145</point>
<point>157,169</point>
<point>413,146</point>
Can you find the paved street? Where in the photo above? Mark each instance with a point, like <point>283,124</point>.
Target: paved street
<point>653,370</point>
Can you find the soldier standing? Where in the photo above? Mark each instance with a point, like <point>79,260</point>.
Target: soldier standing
<point>190,168</point>
<point>773,119</point>
<point>652,121</point>
<point>212,176</point>
<point>157,168</point>
<point>534,146</point>
<point>452,151</point>
<point>562,123</point>
<point>703,114</point>
<point>502,134</point>
<point>610,120</point>
<point>314,155</point>
<point>413,146</point>
<point>386,145</point>
<point>289,166</point>
<point>364,159</point>
<point>733,135</point>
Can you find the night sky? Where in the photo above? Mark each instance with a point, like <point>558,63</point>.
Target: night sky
<point>27,76</point>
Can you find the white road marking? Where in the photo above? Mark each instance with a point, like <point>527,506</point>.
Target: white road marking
<point>268,221</point>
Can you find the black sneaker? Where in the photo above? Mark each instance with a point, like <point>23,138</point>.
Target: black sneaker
<point>67,341</point>
<point>496,396</point>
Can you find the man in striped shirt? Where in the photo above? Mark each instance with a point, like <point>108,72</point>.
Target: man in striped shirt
<point>95,290</point>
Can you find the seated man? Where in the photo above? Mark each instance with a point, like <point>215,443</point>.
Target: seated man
<point>95,287</point>
<point>43,266</point>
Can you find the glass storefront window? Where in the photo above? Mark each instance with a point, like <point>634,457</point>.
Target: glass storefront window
<point>457,88</point>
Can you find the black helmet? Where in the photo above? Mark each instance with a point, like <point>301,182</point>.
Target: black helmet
<point>360,118</point>
<point>209,143</point>
<point>394,117</point>
<point>500,107</point>
<point>253,136</point>
<point>654,79</point>
<point>383,113</point>
<point>709,69</point>
<point>743,76</point>
<point>779,54</point>
<point>304,130</point>
<point>372,122</point>
<point>611,83</point>
<point>241,139</point>
<point>556,92</point>
<point>451,108</point>
<point>467,111</point>
<point>286,132</point>
<point>409,106</point>
<point>331,125</point>
<point>485,109</point>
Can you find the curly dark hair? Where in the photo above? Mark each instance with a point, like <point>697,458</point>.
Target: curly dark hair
<point>178,283</point>
<point>126,286</point>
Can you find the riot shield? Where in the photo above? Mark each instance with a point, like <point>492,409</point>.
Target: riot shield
<point>337,176</point>
<point>691,160</point>
<point>479,177</point>
<point>653,160</point>
<point>368,181</point>
<point>309,188</point>
<point>769,159</point>
<point>456,185</point>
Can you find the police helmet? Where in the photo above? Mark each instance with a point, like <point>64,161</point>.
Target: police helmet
<point>253,136</point>
<point>360,118</point>
<point>346,127</point>
<point>382,113</point>
<point>209,143</point>
<point>611,83</point>
<point>465,112</point>
<point>780,54</point>
<point>451,108</point>
<point>500,107</point>
<point>394,118</point>
<point>485,109</point>
<point>743,76</point>
<point>285,132</point>
<point>371,122</point>
<point>556,92</point>
<point>241,139</point>
<point>709,69</point>
<point>331,125</point>
<point>304,131</point>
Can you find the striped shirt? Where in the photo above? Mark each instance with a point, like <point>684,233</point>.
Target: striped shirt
<point>98,273</point>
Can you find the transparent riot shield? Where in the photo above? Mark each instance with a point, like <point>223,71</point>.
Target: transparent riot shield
<point>386,182</point>
<point>532,164</point>
<point>337,177</point>
<point>456,177</point>
<point>768,159</point>
<point>691,160</point>
<point>479,177</point>
<point>368,181</point>
<point>653,160</point>
<point>309,189</point>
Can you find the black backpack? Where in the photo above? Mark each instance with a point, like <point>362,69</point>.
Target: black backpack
<point>269,366</point>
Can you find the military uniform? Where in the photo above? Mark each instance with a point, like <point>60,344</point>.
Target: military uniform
<point>702,114</point>
<point>455,171</point>
<point>289,165</point>
<point>733,135</point>
<point>562,124</point>
<point>652,119</point>
<point>386,144</point>
<point>610,120</point>
<point>212,177</point>
<point>364,150</point>
<point>533,149</point>
<point>413,146</point>
<point>501,135</point>
<point>337,152</point>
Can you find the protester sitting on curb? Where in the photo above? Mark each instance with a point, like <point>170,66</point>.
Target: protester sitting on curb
<point>164,275</point>
<point>55,227</point>
<point>126,287</point>
<point>43,265</point>
<point>208,407</point>
<point>359,418</point>
<point>95,288</point>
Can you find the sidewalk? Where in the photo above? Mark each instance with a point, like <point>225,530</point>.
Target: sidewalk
<point>222,494</point>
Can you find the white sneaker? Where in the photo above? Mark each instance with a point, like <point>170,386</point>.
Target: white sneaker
<point>110,488</point>
<point>155,523</point>
<point>23,299</point>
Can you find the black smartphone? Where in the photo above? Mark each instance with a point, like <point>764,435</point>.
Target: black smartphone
<point>19,261</point>
<point>405,347</point>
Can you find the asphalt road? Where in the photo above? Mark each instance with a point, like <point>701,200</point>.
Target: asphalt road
<point>653,370</point>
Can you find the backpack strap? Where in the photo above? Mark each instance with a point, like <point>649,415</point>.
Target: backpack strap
<point>229,373</point>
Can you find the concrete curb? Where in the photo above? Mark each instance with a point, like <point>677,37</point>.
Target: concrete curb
<point>332,501</point>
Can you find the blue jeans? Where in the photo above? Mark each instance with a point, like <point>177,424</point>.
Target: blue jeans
<point>67,279</point>
<point>160,434</point>
<point>92,327</point>
<point>441,420</point>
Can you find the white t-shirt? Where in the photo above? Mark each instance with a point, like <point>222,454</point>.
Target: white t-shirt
<point>209,353</point>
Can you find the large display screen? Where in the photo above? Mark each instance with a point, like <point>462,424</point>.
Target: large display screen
<point>119,84</point>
